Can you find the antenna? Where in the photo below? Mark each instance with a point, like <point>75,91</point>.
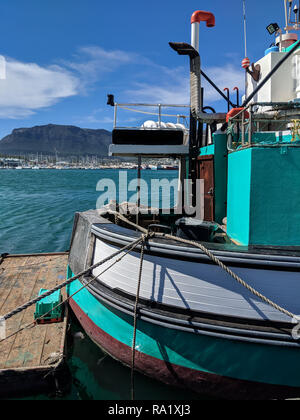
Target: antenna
<point>292,15</point>
<point>246,61</point>
<point>245,26</point>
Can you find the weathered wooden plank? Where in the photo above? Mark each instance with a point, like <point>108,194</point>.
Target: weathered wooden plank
<point>9,279</point>
<point>10,300</point>
<point>52,333</point>
<point>21,280</point>
<point>19,350</point>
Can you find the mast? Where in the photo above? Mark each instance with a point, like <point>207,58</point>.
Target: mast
<point>246,60</point>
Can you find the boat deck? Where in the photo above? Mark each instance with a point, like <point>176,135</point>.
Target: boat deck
<point>38,350</point>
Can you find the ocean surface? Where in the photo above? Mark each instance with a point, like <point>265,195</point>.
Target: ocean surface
<point>36,215</point>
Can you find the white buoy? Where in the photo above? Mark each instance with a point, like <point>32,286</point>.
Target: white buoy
<point>180,126</point>
<point>149,124</point>
<point>171,125</point>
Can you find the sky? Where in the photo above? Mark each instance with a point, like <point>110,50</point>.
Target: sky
<point>64,56</point>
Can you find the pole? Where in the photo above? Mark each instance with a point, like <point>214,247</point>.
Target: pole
<point>139,189</point>
<point>228,98</point>
<point>245,26</point>
<point>286,13</point>
<point>245,39</point>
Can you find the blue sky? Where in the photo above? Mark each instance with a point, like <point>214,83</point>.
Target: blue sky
<point>64,56</point>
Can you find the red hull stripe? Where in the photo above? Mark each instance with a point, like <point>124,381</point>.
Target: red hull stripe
<point>164,371</point>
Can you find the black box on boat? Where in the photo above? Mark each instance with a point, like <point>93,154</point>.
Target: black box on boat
<point>148,137</point>
<point>195,230</point>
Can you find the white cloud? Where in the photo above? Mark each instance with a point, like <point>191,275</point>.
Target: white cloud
<point>227,76</point>
<point>174,85</point>
<point>93,119</point>
<point>165,85</point>
<point>92,62</point>
<point>29,87</point>
<point>99,54</point>
<point>99,116</point>
<point>165,94</point>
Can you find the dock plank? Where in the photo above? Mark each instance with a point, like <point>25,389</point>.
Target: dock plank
<point>51,333</point>
<point>11,277</point>
<point>19,354</point>
<point>21,279</point>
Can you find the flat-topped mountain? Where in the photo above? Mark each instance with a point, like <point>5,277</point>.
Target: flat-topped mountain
<point>51,139</point>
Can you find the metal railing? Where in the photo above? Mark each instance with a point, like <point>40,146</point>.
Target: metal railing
<point>131,107</point>
<point>247,124</point>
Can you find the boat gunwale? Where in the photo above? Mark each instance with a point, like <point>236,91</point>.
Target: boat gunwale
<point>186,253</point>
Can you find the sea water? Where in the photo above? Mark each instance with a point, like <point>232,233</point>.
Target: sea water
<point>36,215</point>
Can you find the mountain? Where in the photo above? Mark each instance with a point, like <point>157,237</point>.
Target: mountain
<point>50,139</point>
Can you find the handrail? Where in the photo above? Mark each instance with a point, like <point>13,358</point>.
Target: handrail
<point>264,117</point>
<point>128,106</point>
<point>154,105</point>
<point>272,104</point>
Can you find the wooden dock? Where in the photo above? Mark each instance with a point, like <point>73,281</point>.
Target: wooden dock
<point>33,360</point>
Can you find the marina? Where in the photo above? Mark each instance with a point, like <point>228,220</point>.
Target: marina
<point>17,164</point>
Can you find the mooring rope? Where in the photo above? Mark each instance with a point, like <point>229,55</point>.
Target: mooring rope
<point>135,320</point>
<point>69,281</point>
<point>233,275</point>
<point>146,235</point>
<point>128,249</point>
<point>218,262</point>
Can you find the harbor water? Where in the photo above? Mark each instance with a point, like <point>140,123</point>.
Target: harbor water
<point>36,215</point>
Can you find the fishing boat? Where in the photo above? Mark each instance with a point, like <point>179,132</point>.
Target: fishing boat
<point>208,300</point>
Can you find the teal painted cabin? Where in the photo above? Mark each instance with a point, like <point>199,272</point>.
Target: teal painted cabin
<point>264,195</point>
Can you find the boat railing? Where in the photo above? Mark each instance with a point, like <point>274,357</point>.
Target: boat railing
<point>248,118</point>
<point>153,110</point>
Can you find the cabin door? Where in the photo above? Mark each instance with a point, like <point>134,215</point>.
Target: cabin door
<point>206,172</point>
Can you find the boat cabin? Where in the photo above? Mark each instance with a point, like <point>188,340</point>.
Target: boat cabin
<point>243,165</point>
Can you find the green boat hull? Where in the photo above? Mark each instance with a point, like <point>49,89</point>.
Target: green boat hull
<point>219,366</point>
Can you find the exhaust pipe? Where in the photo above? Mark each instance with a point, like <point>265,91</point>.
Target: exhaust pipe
<point>195,67</point>
<point>197,17</point>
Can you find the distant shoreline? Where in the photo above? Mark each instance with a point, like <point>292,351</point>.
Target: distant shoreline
<point>88,169</point>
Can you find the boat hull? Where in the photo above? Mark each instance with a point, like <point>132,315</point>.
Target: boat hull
<point>196,327</point>
<point>207,365</point>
